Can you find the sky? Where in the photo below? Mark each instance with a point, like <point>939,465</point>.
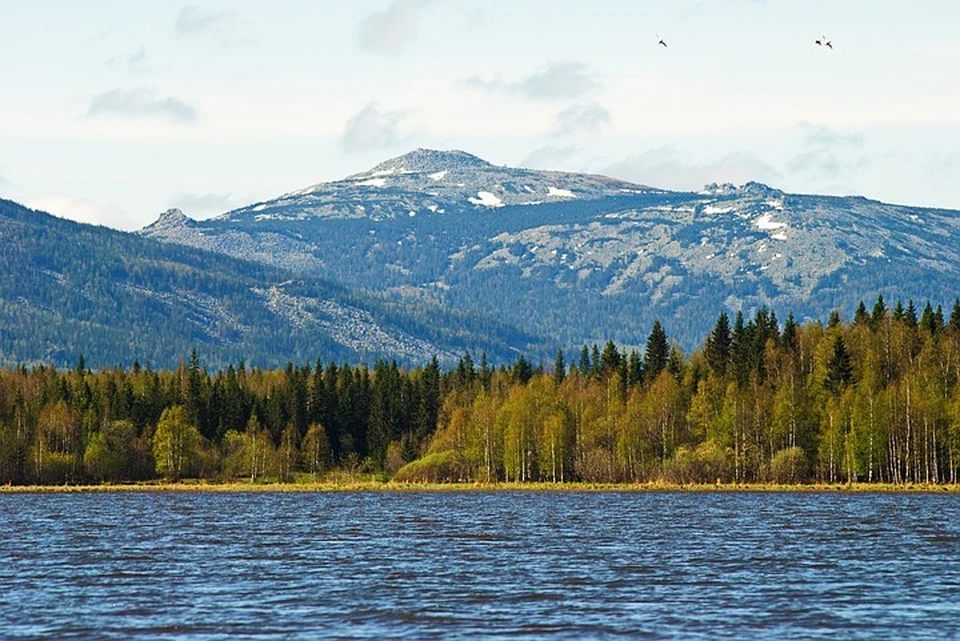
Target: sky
<point>112,112</point>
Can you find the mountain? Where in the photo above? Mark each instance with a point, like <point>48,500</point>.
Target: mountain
<point>115,297</point>
<point>586,258</point>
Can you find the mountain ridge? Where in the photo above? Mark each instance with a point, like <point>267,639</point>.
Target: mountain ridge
<point>586,258</point>
<point>116,297</point>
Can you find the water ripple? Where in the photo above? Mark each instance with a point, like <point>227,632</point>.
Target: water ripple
<point>497,565</point>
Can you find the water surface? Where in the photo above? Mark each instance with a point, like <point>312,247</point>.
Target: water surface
<point>490,565</point>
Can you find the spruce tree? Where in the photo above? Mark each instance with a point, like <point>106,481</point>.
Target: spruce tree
<point>718,345</point>
<point>834,320</point>
<point>789,340</point>
<point>559,368</point>
<point>955,316</point>
<point>928,321</point>
<point>879,311</point>
<point>634,369</point>
<point>610,359</point>
<point>839,367</point>
<point>584,364</point>
<point>910,316</point>
<point>860,317</point>
<point>657,352</point>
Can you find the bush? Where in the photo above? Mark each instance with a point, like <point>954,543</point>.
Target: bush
<point>707,464</point>
<point>787,467</point>
<point>441,467</point>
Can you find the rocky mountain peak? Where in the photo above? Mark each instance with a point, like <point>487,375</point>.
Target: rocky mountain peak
<point>171,219</point>
<point>430,160</point>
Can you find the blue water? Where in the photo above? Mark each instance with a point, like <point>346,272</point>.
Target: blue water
<point>498,565</point>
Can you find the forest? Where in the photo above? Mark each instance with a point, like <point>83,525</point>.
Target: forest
<point>872,400</point>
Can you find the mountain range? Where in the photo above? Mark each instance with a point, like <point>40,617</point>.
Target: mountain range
<point>580,258</point>
<point>71,289</point>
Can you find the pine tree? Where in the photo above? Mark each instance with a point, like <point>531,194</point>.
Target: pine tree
<point>910,316</point>
<point>898,312</point>
<point>928,320</point>
<point>559,369</point>
<point>789,340</point>
<point>955,316</point>
<point>839,367</point>
<point>860,317</point>
<point>486,374</point>
<point>657,352</point>
<point>610,359</point>
<point>634,369</point>
<point>740,350</point>
<point>879,311</point>
<point>584,364</point>
<point>834,320</point>
<point>718,345</point>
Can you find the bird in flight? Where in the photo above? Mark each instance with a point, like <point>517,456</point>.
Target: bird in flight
<point>823,42</point>
<point>660,41</point>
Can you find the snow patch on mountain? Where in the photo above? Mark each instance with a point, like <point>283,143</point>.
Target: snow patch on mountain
<point>486,199</point>
<point>560,193</point>
<point>373,182</point>
<point>766,223</point>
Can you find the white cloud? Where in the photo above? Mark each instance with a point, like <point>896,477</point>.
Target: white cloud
<point>577,118</point>
<point>549,157</point>
<point>199,205</point>
<point>558,80</point>
<point>192,21</point>
<point>134,63</point>
<point>141,101</point>
<point>82,210</point>
<point>667,168</point>
<point>373,128</point>
<point>828,154</point>
<point>390,30</point>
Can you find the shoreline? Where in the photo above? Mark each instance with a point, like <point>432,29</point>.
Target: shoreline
<point>373,486</point>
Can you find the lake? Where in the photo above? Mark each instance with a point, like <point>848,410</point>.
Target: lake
<point>474,564</point>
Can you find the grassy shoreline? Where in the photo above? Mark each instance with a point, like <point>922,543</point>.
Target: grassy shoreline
<point>373,485</point>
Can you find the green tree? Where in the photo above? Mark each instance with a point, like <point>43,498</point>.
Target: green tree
<point>656,354</point>
<point>839,367</point>
<point>176,443</point>
<point>717,349</point>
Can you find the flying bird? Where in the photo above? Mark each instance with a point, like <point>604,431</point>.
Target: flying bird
<point>661,42</point>
<point>823,42</point>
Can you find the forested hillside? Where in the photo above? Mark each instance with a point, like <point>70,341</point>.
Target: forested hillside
<point>585,258</point>
<point>71,289</point>
<point>875,399</point>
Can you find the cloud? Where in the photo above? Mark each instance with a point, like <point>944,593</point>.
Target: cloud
<point>131,64</point>
<point>193,21</point>
<point>667,168</point>
<point>141,101</point>
<point>202,203</point>
<point>388,31</point>
<point>558,80</point>
<point>82,210</point>
<point>373,128</point>
<point>938,163</point>
<point>829,154</point>
<point>549,157</point>
<point>577,118</point>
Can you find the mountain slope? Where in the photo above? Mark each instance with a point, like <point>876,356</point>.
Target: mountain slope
<point>585,258</point>
<point>116,297</point>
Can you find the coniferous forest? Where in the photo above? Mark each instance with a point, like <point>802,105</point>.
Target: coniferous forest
<point>872,399</point>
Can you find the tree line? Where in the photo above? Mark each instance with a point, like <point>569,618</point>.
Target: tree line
<point>875,399</point>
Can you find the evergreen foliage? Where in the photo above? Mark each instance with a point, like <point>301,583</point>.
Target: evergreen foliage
<point>877,401</point>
